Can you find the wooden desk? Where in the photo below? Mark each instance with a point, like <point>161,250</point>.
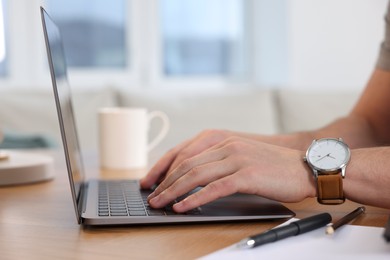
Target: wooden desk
<point>38,222</point>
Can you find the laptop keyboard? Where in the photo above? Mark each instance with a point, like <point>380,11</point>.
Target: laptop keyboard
<point>124,198</point>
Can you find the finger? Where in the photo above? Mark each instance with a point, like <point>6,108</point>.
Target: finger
<point>176,156</point>
<point>215,190</point>
<point>200,159</point>
<point>196,177</point>
<point>161,167</point>
<point>199,144</point>
<point>233,140</point>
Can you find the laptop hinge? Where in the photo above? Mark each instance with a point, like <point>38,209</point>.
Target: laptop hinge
<point>81,201</point>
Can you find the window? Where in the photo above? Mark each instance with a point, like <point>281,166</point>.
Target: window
<point>202,37</point>
<point>3,54</point>
<point>154,43</point>
<point>199,38</point>
<point>135,43</point>
<point>94,32</point>
<point>187,44</point>
<point>130,43</point>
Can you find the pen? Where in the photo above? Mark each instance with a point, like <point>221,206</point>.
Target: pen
<point>331,228</point>
<point>293,229</point>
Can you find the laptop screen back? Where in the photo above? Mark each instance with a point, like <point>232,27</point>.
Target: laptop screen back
<point>235,207</point>
<point>64,105</point>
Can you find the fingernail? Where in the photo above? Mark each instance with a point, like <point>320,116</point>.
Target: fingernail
<point>154,200</point>
<point>177,207</point>
<point>151,195</point>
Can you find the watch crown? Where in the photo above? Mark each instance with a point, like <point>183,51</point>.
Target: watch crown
<point>304,159</point>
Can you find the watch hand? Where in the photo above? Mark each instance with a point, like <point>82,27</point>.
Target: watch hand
<point>323,157</point>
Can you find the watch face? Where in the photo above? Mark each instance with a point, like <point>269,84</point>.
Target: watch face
<point>328,154</point>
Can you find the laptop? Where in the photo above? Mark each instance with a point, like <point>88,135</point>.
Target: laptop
<point>122,202</point>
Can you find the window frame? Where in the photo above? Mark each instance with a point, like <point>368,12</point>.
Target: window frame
<point>191,82</point>
<point>27,63</point>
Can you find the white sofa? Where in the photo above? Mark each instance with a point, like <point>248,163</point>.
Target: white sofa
<point>266,111</point>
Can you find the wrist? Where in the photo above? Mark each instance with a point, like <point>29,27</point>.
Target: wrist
<point>309,180</point>
<point>298,141</point>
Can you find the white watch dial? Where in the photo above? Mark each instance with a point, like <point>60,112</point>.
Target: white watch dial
<point>328,154</point>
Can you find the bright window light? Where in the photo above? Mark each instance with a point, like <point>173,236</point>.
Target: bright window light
<point>2,37</point>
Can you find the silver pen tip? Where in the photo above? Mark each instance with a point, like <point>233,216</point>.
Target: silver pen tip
<point>245,243</point>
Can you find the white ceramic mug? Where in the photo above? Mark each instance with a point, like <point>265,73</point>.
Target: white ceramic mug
<point>123,136</point>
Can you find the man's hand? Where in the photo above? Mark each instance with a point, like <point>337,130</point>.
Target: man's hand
<point>178,154</point>
<point>235,164</point>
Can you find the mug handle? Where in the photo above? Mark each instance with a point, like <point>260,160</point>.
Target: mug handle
<point>164,130</point>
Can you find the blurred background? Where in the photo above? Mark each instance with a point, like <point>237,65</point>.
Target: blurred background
<point>166,48</point>
<point>158,43</point>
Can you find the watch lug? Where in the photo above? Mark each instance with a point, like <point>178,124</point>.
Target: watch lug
<point>315,173</point>
<point>343,172</point>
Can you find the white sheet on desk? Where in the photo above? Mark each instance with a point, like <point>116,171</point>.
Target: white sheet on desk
<point>348,242</point>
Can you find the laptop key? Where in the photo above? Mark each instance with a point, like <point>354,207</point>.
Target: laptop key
<point>135,204</point>
<point>116,214</point>
<point>117,201</point>
<point>156,213</point>
<point>137,213</point>
<point>121,206</point>
<point>136,208</point>
<point>117,205</point>
<point>118,210</point>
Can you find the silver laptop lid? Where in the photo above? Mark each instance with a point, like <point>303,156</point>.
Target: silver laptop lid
<point>234,207</point>
<point>62,94</point>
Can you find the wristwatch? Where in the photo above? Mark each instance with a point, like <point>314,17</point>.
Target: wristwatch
<point>328,159</point>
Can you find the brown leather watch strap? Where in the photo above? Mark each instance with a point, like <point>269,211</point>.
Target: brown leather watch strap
<point>330,189</point>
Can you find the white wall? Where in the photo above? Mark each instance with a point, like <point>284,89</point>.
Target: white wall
<point>333,44</point>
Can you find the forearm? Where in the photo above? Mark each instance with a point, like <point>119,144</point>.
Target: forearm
<point>355,130</point>
<point>367,178</point>
<point>367,125</point>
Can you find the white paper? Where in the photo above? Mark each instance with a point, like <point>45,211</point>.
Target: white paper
<point>348,242</point>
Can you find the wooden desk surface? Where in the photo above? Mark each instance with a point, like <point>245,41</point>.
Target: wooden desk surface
<point>37,221</point>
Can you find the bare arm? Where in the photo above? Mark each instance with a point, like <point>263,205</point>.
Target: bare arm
<point>356,129</point>
<point>226,162</point>
<point>368,179</point>
<point>374,108</point>
<point>368,125</point>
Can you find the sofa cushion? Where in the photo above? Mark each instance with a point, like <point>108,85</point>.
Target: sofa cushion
<point>303,110</point>
<point>249,110</point>
<point>31,112</point>
<point>34,112</point>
